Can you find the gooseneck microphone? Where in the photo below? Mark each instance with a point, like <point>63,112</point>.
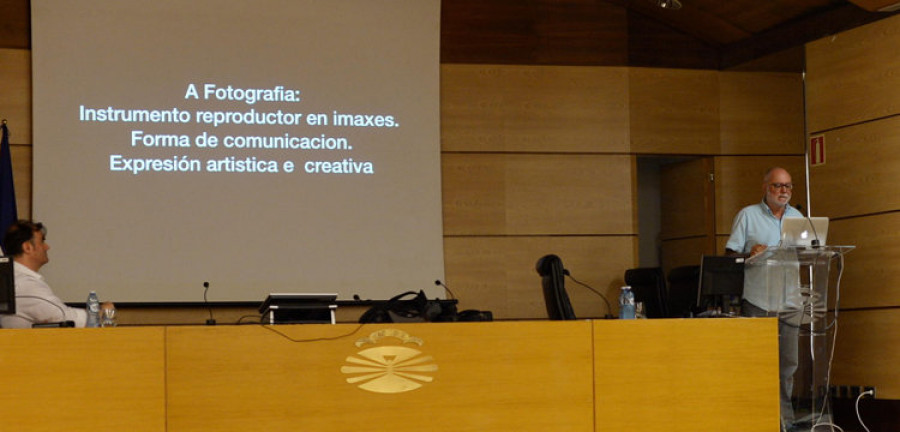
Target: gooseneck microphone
<point>211,320</point>
<point>605,300</point>
<point>815,241</point>
<point>439,283</point>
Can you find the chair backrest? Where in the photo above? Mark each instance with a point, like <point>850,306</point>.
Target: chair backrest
<point>683,283</point>
<point>552,273</point>
<point>649,287</point>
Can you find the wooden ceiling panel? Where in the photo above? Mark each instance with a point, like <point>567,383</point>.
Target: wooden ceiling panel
<point>877,5</point>
<point>755,16</point>
<point>15,24</point>
<point>701,34</point>
<point>709,28</point>
<point>652,44</point>
<point>546,32</point>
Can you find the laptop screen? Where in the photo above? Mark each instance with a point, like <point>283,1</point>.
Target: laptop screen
<point>802,231</point>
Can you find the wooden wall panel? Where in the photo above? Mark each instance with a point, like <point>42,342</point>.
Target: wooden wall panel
<point>871,276</point>
<point>473,194</point>
<point>498,273</point>
<point>851,77</point>
<point>684,202</point>
<point>559,194</point>
<point>15,93</point>
<point>761,113</point>
<point>674,111</point>
<point>789,60</point>
<point>866,351</point>
<point>15,108</point>
<point>852,94</point>
<point>862,170</point>
<point>534,108</point>
<point>739,184</point>
<point>22,163</point>
<point>721,241</point>
<point>490,194</point>
<point>684,252</point>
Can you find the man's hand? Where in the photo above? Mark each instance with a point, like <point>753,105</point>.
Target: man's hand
<point>757,249</point>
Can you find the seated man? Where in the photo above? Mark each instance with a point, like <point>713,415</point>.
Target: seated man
<point>35,301</point>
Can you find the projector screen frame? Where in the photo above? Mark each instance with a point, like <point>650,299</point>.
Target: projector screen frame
<point>407,206</point>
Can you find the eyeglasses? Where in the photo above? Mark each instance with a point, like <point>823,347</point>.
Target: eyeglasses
<point>776,186</point>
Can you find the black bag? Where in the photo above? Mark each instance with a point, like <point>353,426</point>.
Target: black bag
<point>409,307</point>
<point>413,307</point>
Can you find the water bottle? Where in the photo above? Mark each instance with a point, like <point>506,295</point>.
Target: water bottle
<point>93,310</point>
<point>626,303</point>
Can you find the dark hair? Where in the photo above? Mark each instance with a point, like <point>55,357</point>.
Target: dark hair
<point>18,233</point>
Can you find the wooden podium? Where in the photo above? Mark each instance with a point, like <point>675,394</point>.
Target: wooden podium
<point>638,375</point>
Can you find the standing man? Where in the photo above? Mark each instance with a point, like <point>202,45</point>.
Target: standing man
<point>756,228</point>
<point>25,241</point>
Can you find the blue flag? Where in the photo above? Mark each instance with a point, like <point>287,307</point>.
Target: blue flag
<point>8,213</point>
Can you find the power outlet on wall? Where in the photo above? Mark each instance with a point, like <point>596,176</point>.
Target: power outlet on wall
<point>850,392</point>
<point>870,388</point>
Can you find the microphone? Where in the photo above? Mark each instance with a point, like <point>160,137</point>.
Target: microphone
<point>439,283</point>
<point>815,242</point>
<point>605,300</point>
<point>211,320</point>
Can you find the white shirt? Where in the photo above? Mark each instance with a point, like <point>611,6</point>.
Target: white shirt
<point>36,303</point>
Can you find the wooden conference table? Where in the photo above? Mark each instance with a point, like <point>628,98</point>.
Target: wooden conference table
<point>637,375</point>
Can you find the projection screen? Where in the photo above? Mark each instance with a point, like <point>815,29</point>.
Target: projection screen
<point>259,145</point>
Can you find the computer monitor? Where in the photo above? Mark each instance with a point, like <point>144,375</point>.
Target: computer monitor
<point>721,283</point>
<point>7,287</point>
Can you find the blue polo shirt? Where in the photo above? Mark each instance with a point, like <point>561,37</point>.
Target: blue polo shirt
<point>755,224</point>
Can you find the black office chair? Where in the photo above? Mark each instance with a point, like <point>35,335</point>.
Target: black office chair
<point>550,267</point>
<point>684,283</point>
<point>649,287</point>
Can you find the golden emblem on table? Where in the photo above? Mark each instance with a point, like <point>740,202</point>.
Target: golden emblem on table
<point>391,365</point>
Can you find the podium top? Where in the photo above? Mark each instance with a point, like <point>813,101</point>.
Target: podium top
<point>799,253</point>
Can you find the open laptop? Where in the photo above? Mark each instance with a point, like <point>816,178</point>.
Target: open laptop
<point>803,231</point>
